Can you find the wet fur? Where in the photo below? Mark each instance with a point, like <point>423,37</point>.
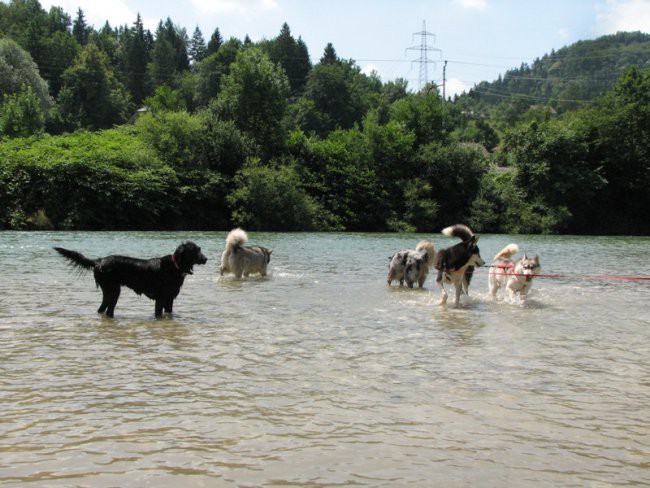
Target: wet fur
<point>411,265</point>
<point>243,260</point>
<point>160,278</point>
<point>516,276</point>
<point>456,264</point>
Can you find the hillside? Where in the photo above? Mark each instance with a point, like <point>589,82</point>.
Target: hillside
<point>579,72</point>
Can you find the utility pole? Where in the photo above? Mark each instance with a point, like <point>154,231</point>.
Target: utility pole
<point>424,49</point>
<point>444,80</point>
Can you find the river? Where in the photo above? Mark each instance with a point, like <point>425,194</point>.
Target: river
<point>321,374</point>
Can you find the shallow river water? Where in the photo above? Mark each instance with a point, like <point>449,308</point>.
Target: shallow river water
<point>321,374</point>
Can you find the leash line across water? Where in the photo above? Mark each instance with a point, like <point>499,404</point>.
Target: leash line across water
<point>575,275</point>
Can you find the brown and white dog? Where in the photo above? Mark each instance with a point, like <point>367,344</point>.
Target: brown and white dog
<point>243,260</point>
<point>411,265</point>
<point>516,276</point>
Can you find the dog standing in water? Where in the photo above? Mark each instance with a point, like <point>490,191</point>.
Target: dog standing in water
<point>243,260</point>
<point>456,264</point>
<point>411,265</point>
<point>160,278</point>
<point>516,276</point>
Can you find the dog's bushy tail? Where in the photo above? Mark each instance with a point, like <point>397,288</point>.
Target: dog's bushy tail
<point>461,231</point>
<point>76,259</point>
<point>236,238</point>
<point>507,252</point>
<point>429,250</point>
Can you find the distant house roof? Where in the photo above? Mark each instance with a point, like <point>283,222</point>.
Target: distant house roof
<point>137,114</point>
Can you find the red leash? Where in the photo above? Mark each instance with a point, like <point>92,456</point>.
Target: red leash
<point>588,277</point>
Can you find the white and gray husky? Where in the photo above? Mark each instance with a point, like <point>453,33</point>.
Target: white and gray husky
<point>243,260</point>
<point>411,265</point>
<point>516,276</point>
<point>456,264</point>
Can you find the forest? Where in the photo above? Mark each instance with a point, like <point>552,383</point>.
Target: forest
<point>122,128</point>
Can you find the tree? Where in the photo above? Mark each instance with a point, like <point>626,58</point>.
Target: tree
<point>337,93</point>
<point>214,43</point>
<point>169,57</point>
<point>21,114</point>
<point>18,73</point>
<point>213,68</point>
<point>134,60</point>
<point>293,56</point>
<point>329,55</point>
<point>255,96</point>
<point>80,29</point>
<point>91,96</point>
<point>197,48</point>
<point>268,198</point>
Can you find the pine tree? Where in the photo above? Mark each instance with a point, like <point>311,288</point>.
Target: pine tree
<point>135,61</point>
<point>214,43</point>
<point>329,55</point>
<point>197,47</point>
<point>80,29</point>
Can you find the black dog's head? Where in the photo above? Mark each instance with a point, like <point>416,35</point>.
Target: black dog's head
<point>473,252</point>
<point>187,255</point>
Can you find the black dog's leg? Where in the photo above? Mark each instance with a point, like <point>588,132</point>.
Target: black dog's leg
<point>104,305</point>
<point>159,307</point>
<point>113,293</point>
<point>169,304</point>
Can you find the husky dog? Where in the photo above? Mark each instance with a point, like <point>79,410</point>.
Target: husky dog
<point>243,260</point>
<point>517,276</point>
<point>456,264</point>
<point>411,265</point>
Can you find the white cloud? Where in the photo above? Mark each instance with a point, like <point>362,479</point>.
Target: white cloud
<point>235,6</point>
<point>623,15</point>
<point>454,86</point>
<point>368,69</point>
<point>563,33</point>
<point>472,4</point>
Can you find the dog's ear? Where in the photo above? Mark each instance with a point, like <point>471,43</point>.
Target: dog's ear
<point>474,239</point>
<point>536,259</point>
<point>525,256</point>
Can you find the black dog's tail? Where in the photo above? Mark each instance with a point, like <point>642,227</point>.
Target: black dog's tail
<point>461,231</point>
<point>77,260</point>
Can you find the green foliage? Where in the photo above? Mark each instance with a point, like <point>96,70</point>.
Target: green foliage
<point>21,114</point>
<point>272,198</point>
<point>336,96</point>
<point>104,180</point>
<point>251,133</point>
<point>255,96</point>
<point>292,55</point>
<point>18,72</point>
<point>165,99</point>
<point>91,95</point>
<point>423,114</point>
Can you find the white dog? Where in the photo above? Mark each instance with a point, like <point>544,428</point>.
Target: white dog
<point>243,260</point>
<point>516,276</point>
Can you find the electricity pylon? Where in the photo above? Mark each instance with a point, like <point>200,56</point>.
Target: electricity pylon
<point>424,49</point>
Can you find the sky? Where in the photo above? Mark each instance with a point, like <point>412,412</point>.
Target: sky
<point>479,39</point>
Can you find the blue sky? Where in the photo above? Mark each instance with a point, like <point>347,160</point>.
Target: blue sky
<point>479,38</point>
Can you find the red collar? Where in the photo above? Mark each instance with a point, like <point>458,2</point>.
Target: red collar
<point>174,261</point>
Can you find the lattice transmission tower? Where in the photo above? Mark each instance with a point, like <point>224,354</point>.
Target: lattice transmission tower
<point>425,49</point>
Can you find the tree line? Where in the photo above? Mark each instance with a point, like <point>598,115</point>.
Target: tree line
<point>255,134</point>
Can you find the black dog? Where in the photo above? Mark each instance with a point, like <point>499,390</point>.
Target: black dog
<point>456,263</point>
<point>158,278</point>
